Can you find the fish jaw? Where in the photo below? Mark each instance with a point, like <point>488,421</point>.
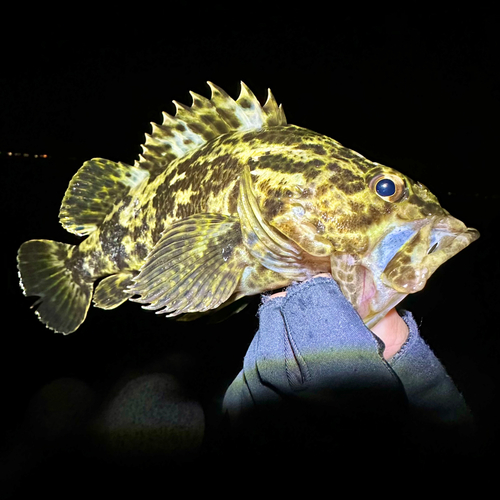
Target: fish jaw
<point>385,276</point>
<point>435,243</point>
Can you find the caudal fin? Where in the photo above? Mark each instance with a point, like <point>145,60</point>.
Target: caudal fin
<point>64,295</point>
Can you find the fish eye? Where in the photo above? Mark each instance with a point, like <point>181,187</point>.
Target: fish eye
<point>385,187</point>
<point>389,187</point>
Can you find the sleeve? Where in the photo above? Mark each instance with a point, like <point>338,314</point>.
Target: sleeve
<point>313,352</point>
<point>310,345</point>
<point>435,403</point>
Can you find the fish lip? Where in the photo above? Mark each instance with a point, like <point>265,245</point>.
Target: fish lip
<point>447,231</point>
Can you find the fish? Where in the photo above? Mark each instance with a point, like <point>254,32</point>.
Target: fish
<point>226,201</point>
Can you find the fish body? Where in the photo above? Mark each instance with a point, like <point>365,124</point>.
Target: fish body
<point>228,200</point>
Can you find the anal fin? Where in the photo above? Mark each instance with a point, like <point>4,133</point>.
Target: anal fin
<point>112,291</point>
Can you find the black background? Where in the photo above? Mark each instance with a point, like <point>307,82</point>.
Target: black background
<point>417,91</point>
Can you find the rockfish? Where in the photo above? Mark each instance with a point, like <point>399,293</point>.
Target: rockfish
<point>227,200</point>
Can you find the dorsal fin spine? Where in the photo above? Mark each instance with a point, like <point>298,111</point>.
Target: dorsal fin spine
<point>99,184</point>
<point>205,119</point>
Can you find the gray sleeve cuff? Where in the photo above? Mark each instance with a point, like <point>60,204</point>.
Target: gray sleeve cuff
<point>432,395</point>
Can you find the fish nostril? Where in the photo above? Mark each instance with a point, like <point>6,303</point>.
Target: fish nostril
<point>433,247</point>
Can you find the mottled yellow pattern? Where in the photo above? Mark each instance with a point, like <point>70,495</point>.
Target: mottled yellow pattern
<point>228,200</point>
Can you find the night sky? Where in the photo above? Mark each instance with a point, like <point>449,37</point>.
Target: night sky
<point>416,92</point>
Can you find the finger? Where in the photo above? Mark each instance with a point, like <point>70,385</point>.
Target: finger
<point>393,332</point>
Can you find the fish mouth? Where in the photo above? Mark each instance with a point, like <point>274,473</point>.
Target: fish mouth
<point>429,244</point>
<point>430,247</point>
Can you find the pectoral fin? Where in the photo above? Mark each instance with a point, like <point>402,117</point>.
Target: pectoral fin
<point>195,266</point>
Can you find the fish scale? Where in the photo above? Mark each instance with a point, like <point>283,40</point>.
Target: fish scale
<point>227,200</point>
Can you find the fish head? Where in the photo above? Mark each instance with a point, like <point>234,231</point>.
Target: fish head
<point>383,233</point>
<point>407,246</point>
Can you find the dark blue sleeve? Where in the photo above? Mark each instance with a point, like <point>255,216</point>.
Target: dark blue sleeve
<point>313,350</point>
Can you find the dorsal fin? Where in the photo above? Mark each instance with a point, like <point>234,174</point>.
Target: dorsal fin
<point>206,119</point>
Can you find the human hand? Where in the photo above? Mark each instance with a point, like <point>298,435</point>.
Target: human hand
<point>392,331</point>
<point>313,365</point>
<point>313,347</point>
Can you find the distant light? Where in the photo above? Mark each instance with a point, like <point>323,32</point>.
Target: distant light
<point>24,155</point>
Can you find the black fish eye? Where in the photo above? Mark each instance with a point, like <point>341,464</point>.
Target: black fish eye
<point>389,187</point>
<point>385,187</point>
